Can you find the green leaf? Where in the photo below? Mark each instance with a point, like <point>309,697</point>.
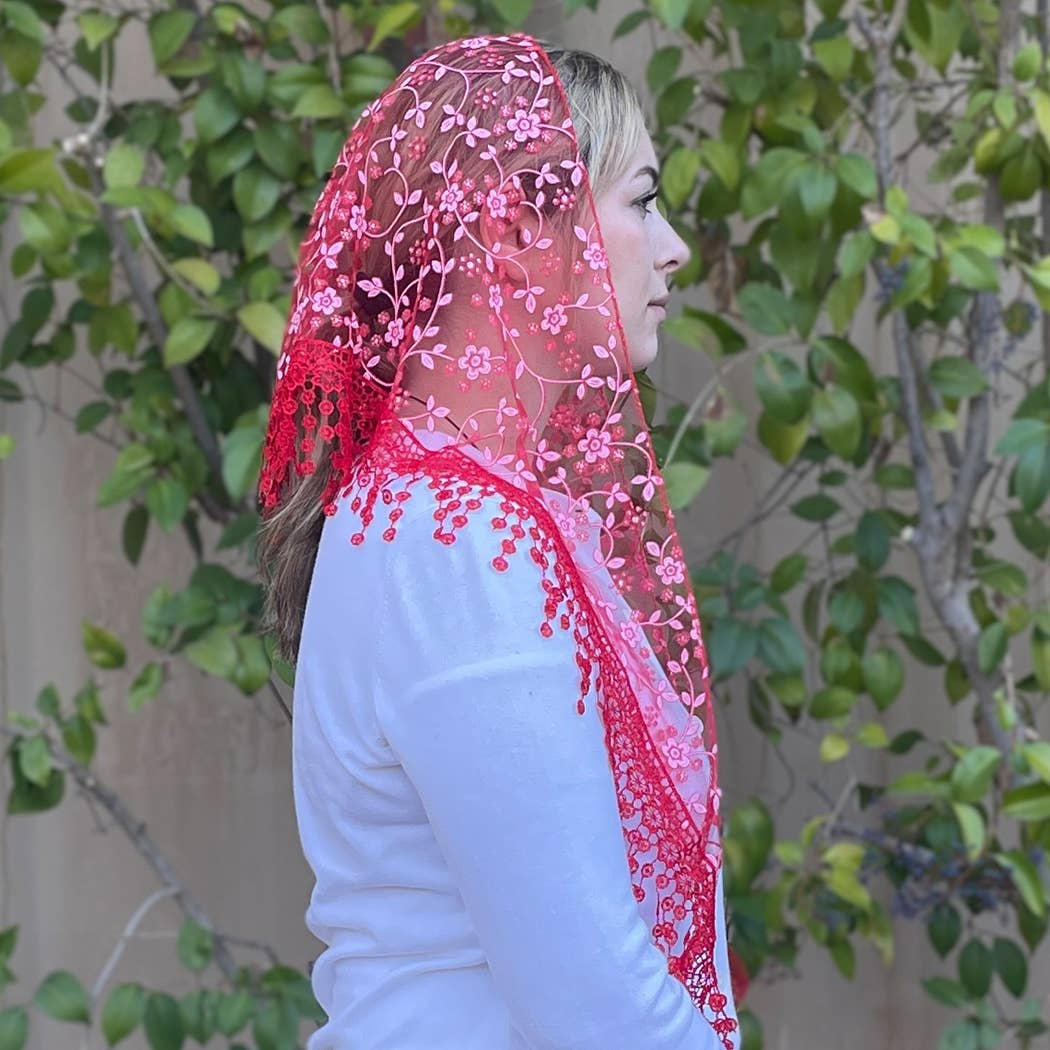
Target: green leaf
<point>195,946</point>
<point>833,748</point>
<point>1032,477</point>
<point>234,1011</point>
<point>833,702</point>
<point>318,102</point>
<point>873,735</point>
<point>97,27</point>
<point>767,309</point>
<point>275,1025</point>
<point>837,417</point>
<point>678,176</point>
<point>1029,803</point>
<point>133,533</point>
<point>780,646</point>
<point>7,446</point>
<point>123,1012</point>
<point>265,323</point>
<point>245,77</point>
<point>944,928</point>
<point>163,1022</point>
<point>48,702</point>
<point>90,415</point>
<point>168,31</point>
<point>858,173</point>
<point>103,649</point>
<point>883,676</point>
<point>168,501</point>
<point>975,968</point>
<point>1037,755</point>
<point>147,684</point>
<point>214,652</point>
<point>199,273</point>
<point>1026,878</point>
<point>835,56</point>
<point>788,572</point>
<point>723,159</point>
<point>684,481</point>
<point>872,540</point>
<point>14,1028</point>
<point>1011,965</point>
<point>62,997</point>
<point>1041,109</point>
<point>971,827</point>
<point>187,339</point>
<point>973,773</point>
<point>255,192</point>
<point>1027,61</point>
<point>79,737</point>
<point>671,12</point>
<point>946,991</point>
<point>732,644</point>
<point>393,20</point>
<point>28,170</point>
<point>818,507</point>
<point>253,666</point>
<point>214,113</point>
<point>957,377</point>
<point>782,387</point>
<point>974,269</point>
<point>27,797</point>
<point>991,647</point>
<point>241,455</point>
<point>34,759</point>
<point>124,166</point>
<point>192,222</point>
<point>279,148</point>
<point>816,190</point>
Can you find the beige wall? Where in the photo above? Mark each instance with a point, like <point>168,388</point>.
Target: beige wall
<point>208,770</point>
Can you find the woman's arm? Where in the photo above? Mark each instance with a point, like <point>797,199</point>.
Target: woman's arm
<point>518,788</point>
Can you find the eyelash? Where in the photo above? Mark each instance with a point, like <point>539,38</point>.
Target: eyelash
<point>646,201</point>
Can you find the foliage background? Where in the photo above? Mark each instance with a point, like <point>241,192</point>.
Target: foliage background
<point>145,296</point>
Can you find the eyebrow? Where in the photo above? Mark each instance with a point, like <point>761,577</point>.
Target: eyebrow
<point>649,170</point>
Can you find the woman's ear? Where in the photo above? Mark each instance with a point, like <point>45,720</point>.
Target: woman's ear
<point>507,233</point>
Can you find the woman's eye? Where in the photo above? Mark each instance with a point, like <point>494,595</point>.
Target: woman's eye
<point>644,203</point>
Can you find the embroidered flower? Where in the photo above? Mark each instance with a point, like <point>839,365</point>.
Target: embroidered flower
<point>595,445</point>
<point>525,125</point>
<point>451,199</point>
<point>395,333</point>
<point>554,319</point>
<point>595,255</point>
<point>671,571</point>
<point>475,361</point>
<point>496,204</point>
<point>326,302</point>
<point>357,223</point>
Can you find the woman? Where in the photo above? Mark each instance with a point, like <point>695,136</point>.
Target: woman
<point>504,762</point>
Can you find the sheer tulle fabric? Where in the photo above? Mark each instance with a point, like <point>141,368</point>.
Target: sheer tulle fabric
<point>455,255</point>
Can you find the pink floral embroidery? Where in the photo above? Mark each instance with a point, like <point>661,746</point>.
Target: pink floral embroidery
<point>326,302</point>
<point>475,361</point>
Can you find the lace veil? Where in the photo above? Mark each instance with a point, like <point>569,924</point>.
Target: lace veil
<point>454,270</point>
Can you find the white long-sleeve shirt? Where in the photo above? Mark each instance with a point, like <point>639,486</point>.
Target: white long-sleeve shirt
<point>460,816</point>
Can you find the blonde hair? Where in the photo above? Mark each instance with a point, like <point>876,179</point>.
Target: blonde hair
<point>609,122</point>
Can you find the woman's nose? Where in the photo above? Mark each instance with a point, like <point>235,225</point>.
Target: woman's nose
<point>675,252</point>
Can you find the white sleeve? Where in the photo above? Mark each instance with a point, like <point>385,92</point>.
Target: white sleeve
<point>519,791</point>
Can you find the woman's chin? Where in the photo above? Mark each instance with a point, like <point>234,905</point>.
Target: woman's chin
<point>645,358</point>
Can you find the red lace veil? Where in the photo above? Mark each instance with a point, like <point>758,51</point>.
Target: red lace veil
<point>455,254</point>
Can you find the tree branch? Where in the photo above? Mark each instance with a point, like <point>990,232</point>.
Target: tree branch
<point>135,830</point>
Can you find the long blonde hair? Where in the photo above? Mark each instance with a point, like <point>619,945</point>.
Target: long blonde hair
<point>609,122</point>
